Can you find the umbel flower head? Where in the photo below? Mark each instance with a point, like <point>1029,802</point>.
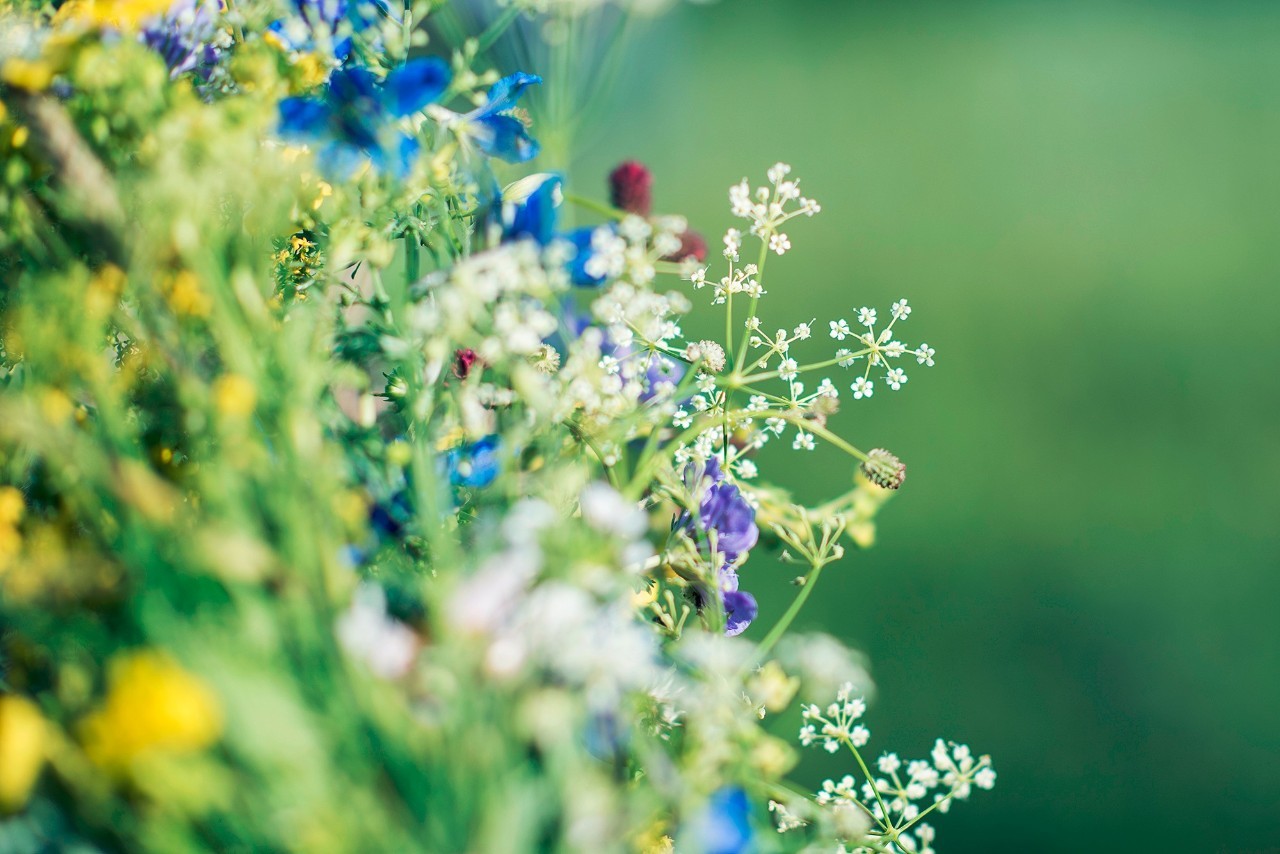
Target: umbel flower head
<point>354,118</point>
<point>884,469</point>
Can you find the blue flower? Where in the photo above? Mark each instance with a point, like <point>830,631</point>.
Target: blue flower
<point>476,465</point>
<point>581,239</point>
<point>355,117</point>
<point>494,129</point>
<point>529,208</point>
<point>724,825</point>
<point>328,25</point>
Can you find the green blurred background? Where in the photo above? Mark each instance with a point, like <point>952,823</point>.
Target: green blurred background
<point>1082,201</point>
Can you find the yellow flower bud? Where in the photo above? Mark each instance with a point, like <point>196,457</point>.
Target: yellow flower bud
<point>22,750</point>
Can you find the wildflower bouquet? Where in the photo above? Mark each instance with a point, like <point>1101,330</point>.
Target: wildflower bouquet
<point>350,500</point>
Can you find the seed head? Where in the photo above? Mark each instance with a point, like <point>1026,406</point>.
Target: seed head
<point>709,353</point>
<point>884,469</point>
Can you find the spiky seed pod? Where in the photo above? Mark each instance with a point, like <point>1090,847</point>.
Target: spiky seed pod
<point>884,469</point>
<point>631,188</point>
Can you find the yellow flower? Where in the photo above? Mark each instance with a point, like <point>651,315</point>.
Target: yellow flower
<point>186,297</point>
<point>119,14</point>
<point>234,396</point>
<point>33,75</point>
<point>11,505</point>
<point>152,705</point>
<point>22,749</point>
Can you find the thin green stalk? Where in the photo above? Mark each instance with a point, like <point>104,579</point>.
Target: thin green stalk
<point>499,26</point>
<point>784,623</point>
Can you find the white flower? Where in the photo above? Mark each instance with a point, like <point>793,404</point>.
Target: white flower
<point>862,387</point>
<point>803,441</point>
<point>901,310</point>
<point>606,510</point>
<point>867,316</point>
<point>924,355</point>
<point>895,378</point>
<point>385,645</point>
<point>779,243</point>
<point>889,763</point>
<point>840,329</point>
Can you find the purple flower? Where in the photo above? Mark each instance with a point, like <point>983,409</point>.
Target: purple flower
<point>186,38</point>
<point>725,515</point>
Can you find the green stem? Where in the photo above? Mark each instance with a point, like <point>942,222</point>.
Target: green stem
<point>592,205</point>
<point>499,26</point>
<point>780,628</point>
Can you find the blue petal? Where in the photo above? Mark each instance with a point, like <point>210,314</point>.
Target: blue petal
<point>304,117</point>
<point>504,137</point>
<point>399,162</point>
<point>739,610</point>
<point>724,827</point>
<point>475,465</point>
<point>341,159</point>
<point>506,92</point>
<point>531,208</point>
<point>415,84</point>
<point>581,240</point>
<point>355,88</point>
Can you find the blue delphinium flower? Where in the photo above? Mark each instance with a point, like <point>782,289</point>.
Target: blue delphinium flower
<point>724,825</point>
<point>529,208</point>
<point>328,25</point>
<point>476,465</point>
<point>354,119</point>
<point>581,238</point>
<point>493,129</point>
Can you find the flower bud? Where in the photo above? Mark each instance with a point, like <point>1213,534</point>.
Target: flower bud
<point>884,469</point>
<point>709,353</point>
<point>631,188</point>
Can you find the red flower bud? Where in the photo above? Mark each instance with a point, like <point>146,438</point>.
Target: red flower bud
<point>692,245</point>
<point>631,188</point>
<point>463,360</point>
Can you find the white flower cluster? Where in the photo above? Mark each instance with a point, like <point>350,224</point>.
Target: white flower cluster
<point>768,208</point>
<point>498,295</point>
<point>763,357</point>
<point>894,802</point>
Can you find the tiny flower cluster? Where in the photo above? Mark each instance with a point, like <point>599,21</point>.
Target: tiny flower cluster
<point>892,804</point>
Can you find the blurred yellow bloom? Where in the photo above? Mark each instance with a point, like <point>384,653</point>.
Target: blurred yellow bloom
<point>152,704</point>
<point>234,396</point>
<point>11,505</point>
<point>119,14</point>
<point>33,75</point>
<point>22,749</point>
<point>186,296</point>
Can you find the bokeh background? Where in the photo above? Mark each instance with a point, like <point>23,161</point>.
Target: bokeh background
<point>1082,201</point>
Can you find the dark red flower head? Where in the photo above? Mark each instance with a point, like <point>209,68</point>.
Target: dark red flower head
<point>692,245</point>
<point>631,188</point>
<point>463,360</point>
